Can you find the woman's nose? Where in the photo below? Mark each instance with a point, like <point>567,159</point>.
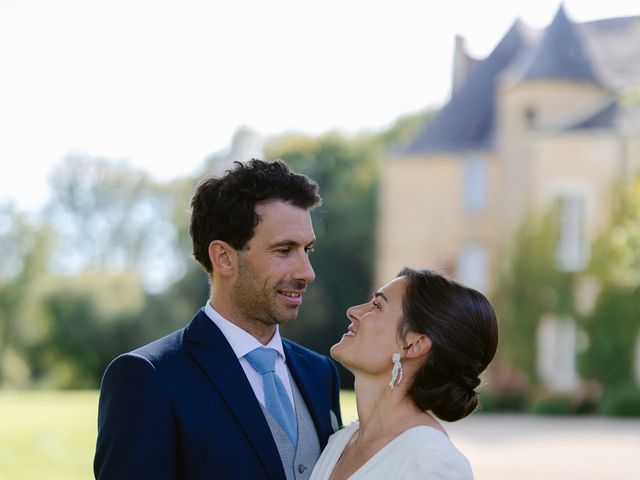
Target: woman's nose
<point>354,313</point>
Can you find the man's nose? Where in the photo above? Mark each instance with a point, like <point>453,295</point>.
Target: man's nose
<point>305,270</point>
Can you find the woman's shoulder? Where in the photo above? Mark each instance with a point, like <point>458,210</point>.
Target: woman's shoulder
<point>429,453</point>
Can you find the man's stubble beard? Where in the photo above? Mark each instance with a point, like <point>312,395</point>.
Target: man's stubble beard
<point>254,301</point>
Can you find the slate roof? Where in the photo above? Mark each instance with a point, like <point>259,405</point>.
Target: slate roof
<point>561,54</point>
<point>467,120</point>
<point>614,115</point>
<point>605,118</point>
<point>614,46</point>
<point>605,52</point>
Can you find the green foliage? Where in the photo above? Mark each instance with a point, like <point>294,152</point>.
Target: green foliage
<point>492,402</point>
<point>405,128</point>
<point>614,324</point>
<point>22,263</point>
<point>557,405</point>
<point>615,257</point>
<point>110,217</point>
<point>530,287</point>
<point>631,99</point>
<point>613,328</point>
<point>91,319</point>
<point>563,404</point>
<point>622,401</point>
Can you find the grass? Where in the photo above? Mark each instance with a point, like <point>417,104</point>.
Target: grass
<point>52,434</point>
<point>47,435</point>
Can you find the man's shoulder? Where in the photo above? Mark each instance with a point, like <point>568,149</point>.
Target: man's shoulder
<point>161,348</point>
<point>166,347</point>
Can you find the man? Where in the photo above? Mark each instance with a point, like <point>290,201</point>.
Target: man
<point>226,397</point>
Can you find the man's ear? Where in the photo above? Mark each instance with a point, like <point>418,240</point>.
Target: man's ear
<point>223,258</point>
<point>418,345</point>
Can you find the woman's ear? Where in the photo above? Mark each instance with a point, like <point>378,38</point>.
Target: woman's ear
<point>223,258</point>
<point>418,345</point>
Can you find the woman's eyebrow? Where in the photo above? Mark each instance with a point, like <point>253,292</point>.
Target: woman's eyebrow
<point>380,294</point>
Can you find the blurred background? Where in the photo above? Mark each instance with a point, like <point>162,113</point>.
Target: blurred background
<point>497,142</point>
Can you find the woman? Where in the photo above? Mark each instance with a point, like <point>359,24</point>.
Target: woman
<point>416,351</point>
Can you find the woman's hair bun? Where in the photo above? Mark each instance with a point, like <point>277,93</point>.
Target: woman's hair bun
<point>462,327</point>
<point>449,401</point>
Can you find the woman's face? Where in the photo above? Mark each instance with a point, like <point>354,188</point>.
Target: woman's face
<point>372,336</point>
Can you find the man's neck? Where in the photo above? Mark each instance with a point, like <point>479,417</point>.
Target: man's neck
<point>260,331</point>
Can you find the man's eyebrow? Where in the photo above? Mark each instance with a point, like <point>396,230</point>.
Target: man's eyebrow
<point>284,243</point>
<point>380,294</point>
<point>291,243</point>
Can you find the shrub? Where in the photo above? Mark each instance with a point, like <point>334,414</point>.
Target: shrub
<point>556,405</point>
<point>508,402</point>
<point>621,401</point>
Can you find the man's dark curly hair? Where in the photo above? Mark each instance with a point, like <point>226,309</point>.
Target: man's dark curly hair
<point>224,208</point>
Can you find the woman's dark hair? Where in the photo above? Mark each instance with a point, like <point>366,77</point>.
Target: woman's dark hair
<point>462,327</point>
<point>224,208</point>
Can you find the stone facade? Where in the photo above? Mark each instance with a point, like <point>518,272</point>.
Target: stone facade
<point>540,120</point>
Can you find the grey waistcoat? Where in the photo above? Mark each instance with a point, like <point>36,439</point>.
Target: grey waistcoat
<point>297,464</point>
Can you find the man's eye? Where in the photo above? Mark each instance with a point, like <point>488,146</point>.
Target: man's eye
<point>375,306</point>
<point>283,251</point>
<point>309,249</point>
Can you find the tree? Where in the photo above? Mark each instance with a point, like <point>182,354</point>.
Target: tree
<point>614,325</point>
<point>91,318</point>
<point>22,262</point>
<point>615,256</point>
<point>112,217</point>
<point>529,287</point>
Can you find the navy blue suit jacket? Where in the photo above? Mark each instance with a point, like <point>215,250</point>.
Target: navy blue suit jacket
<point>182,407</point>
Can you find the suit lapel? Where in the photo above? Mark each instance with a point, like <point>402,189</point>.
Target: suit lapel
<point>210,349</point>
<point>305,377</point>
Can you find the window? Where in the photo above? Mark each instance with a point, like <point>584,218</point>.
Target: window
<point>530,116</point>
<point>556,353</point>
<point>473,267</point>
<point>571,250</point>
<point>476,183</point>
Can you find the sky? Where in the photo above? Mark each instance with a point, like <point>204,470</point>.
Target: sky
<point>163,84</point>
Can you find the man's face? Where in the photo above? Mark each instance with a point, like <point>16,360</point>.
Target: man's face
<point>274,268</point>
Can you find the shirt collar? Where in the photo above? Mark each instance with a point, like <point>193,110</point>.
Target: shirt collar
<point>241,341</point>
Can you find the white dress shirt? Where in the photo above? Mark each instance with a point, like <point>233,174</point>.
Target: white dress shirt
<point>242,343</point>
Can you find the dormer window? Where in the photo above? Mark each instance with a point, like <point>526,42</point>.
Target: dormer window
<point>530,116</point>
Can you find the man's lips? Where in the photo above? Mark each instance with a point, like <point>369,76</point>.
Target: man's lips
<point>292,297</point>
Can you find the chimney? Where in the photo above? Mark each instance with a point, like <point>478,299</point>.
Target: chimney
<point>462,63</point>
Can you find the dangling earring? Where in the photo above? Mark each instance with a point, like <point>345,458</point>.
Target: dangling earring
<point>396,372</point>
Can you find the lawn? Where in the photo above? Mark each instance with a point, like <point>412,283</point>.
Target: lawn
<point>52,434</point>
<point>47,435</point>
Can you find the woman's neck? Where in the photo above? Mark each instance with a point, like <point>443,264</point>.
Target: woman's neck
<point>381,410</point>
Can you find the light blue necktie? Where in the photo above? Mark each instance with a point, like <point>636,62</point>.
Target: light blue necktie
<point>277,401</point>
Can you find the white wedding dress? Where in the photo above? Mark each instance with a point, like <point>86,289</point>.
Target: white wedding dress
<point>418,453</point>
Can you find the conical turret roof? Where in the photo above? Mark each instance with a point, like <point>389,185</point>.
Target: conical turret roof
<point>467,121</point>
<point>561,54</point>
